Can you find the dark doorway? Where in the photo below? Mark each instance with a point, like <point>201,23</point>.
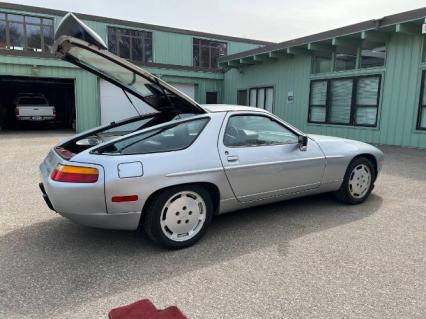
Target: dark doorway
<point>211,97</point>
<point>242,97</point>
<point>58,93</point>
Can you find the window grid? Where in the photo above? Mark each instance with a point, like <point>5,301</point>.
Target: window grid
<point>421,116</point>
<point>205,53</point>
<point>354,107</point>
<point>16,29</point>
<point>261,103</point>
<point>139,44</point>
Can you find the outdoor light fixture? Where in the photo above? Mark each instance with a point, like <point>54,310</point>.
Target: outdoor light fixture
<point>35,69</point>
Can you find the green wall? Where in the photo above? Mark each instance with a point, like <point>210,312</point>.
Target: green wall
<point>399,95</point>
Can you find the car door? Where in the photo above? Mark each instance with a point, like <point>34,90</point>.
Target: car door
<point>262,157</point>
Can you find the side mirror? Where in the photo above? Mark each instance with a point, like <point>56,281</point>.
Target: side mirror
<point>303,142</point>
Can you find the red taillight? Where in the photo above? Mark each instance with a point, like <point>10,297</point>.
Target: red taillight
<point>74,174</point>
<point>64,153</point>
<point>16,111</point>
<point>128,198</point>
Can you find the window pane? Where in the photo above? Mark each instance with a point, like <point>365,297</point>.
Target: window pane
<point>269,99</point>
<point>33,20</point>
<point>124,47</point>
<point>205,57</point>
<point>317,114</point>
<point>15,18</point>
<point>242,97</point>
<point>112,41</point>
<point>2,16</point>
<point>214,57</point>
<point>137,49</point>
<point>196,55</point>
<point>222,49</point>
<point>321,64</point>
<point>423,118</point>
<point>372,55</point>
<point>318,92</point>
<point>253,97</point>
<point>367,91</point>
<point>345,58</point>
<point>16,34</point>
<point>148,50</point>
<point>47,37</point>
<point>253,130</point>
<point>175,138</point>
<point>340,102</point>
<point>47,22</point>
<point>33,37</point>
<point>2,34</point>
<point>261,98</point>
<point>366,115</point>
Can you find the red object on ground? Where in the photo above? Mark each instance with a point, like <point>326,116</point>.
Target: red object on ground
<point>145,309</point>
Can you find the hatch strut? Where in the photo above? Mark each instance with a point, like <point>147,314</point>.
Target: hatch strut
<point>131,102</point>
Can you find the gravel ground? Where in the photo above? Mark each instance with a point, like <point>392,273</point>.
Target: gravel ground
<point>305,258</point>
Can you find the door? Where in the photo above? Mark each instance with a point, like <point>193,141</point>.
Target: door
<point>262,158</point>
<point>211,97</point>
<point>188,89</point>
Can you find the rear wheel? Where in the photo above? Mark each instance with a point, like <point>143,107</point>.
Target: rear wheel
<point>178,217</point>
<point>358,182</point>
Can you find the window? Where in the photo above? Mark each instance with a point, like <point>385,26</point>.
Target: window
<point>321,63</point>
<point>132,45</point>
<point>262,97</point>
<point>166,139</point>
<point>256,130</point>
<point>205,53</point>
<point>211,97</point>
<point>19,32</point>
<point>345,58</point>
<point>372,55</point>
<point>421,120</point>
<point>348,101</point>
<point>242,97</point>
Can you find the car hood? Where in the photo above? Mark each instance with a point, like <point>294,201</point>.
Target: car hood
<point>76,43</point>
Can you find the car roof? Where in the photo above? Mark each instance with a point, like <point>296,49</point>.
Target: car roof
<point>214,108</point>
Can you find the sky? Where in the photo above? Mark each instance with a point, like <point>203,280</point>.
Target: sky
<point>268,20</point>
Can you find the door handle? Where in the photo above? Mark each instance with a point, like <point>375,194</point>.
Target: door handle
<point>232,158</point>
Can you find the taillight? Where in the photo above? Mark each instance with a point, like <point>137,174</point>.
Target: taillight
<point>64,153</point>
<point>16,111</point>
<point>54,111</point>
<point>74,174</point>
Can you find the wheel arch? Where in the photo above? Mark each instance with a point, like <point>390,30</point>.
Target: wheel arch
<point>211,188</point>
<point>371,158</point>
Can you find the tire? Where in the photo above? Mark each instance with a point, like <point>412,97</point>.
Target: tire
<point>179,216</point>
<point>358,182</point>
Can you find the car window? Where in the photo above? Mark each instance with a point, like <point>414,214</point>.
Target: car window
<point>170,138</point>
<point>256,130</point>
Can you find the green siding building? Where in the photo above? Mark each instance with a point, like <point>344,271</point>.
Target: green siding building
<point>364,81</point>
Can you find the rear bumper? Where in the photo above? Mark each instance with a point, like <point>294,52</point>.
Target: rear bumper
<point>82,203</point>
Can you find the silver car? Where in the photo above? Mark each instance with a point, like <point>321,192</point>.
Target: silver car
<point>172,170</point>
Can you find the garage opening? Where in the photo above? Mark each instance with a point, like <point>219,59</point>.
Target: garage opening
<point>29,103</point>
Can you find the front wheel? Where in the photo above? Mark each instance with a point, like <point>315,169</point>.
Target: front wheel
<point>358,182</point>
<point>178,217</point>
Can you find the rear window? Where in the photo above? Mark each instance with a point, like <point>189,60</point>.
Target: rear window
<point>166,139</point>
<point>32,101</point>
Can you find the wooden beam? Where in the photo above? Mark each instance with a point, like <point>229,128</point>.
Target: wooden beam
<point>375,36</point>
<point>248,61</point>
<point>346,42</point>
<point>321,47</point>
<point>234,63</point>
<point>277,54</point>
<point>261,57</point>
<point>408,28</point>
<point>296,51</point>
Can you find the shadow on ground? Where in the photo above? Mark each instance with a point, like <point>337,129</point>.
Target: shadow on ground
<point>62,265</point>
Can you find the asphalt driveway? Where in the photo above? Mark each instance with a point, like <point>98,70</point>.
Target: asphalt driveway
<point>305,258</point>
